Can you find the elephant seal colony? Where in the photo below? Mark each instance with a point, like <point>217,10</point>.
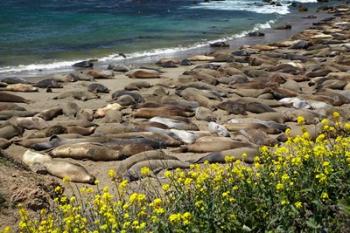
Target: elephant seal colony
<point>227,102</point>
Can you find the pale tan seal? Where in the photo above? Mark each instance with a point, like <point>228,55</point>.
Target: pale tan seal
<point>20,87</point>
<point>85,150</point>
<point>213,143</point>
<point>143,73</point>
<point>29,122</point>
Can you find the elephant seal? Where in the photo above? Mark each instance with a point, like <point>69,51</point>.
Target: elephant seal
<point>213,143</point>
<point>20,87</point>
<point>220,130</point>
<point>70,109</point>
<point>240,107</point>
<point>30,158</point>
<point>100,74</point>
<point>97,88</point>
<point>48,83</point>
<point>50,114</point>
<point>81,130</point>
<point>7,97</point>
<point>125,164</point>
<point>258,137</point>
<point>175,123</point>
<point>29,122</point>
<point>162,111</point>
<point>246,154</point>
<point>250,125</point>
<point>134,172</point>
<point>4,143</point>
<point>101,112</point>
<point>79,95</point>
<point>74,172</point>
<point>42,163</point>
<point>201,58</point>
<point>14,81</point>
<point>11,106</point>
<point>134,95</point>
<point>9,131</point>
<point>85,150</point>
<point>135,86</point>
<point>48,132</point>
<point>5,115</point>
<point>143,73</point>
<point>204,114</point>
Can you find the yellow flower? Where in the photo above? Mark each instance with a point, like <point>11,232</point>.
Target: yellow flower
<point>112,174</point>
<point>167,174</point>
<point>300,120</point>
<point>298,204</point>
<point>279,186</point>
<point>66,179</point>
<point>123,185</point>
<point>336,116</point>
<point>324,196</point>
<point>145,171</point>
<point>165,187</point>
<point>325,122</point>
<point>173,218</point>
<point>347,126</point>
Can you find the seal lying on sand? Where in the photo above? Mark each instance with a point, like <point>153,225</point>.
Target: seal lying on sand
<point>42,163</point>
<point>134,172</point>
<point>29,122</point>
<point>143,73</point>
<point>237,107</point>
<point>85,150</point>
<point>175,123</point>
<point>51,113</point>
<point>19,88</point>
<point>245,154</point>
<point>79,95</point>
<point>213,143</point>
<point>7,97</point>
<point>125,164</point>
<point>165,111</point>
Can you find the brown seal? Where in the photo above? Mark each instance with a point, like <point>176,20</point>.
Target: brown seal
<point>7,97</point>
<point>246,154</point>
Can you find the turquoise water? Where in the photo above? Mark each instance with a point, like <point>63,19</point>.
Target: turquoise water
<point>56,31</point>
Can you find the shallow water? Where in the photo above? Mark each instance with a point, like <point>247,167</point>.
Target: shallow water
<point>52,34</point>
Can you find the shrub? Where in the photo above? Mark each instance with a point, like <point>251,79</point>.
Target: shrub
<point>300,186</point>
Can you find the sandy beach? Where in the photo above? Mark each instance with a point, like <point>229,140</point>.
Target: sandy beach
<point>251,92</point>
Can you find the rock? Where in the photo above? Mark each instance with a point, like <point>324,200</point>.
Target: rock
<point>186,62</point>
<point>118,67</point>
<point>302,8</point>
<point>168,63</point>
<point>220,44</point>
<point>84,64</point>
<point>256,34</point>
<point>284,27</point>
<point>301,44</point>
<point>98,88</point>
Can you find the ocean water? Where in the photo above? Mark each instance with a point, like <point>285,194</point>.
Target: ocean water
<point>53,34</point>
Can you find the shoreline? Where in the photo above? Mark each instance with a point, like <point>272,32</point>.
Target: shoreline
<point>294,18</point>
